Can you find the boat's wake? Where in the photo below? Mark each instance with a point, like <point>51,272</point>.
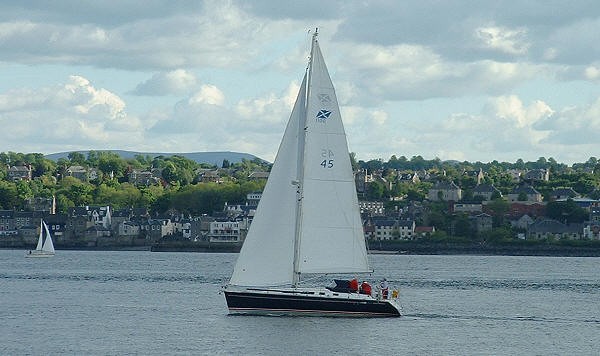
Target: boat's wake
<point>516,318</point>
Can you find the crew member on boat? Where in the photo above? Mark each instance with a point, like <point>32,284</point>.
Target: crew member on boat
<point>353,285</point>
<point>365,288</point>
<point>384,288</point>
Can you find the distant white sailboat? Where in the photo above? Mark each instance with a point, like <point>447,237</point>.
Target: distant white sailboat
<point>45,247</point>
<point>308,219</point>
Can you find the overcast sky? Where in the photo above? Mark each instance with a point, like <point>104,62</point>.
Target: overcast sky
<point>464,80</point>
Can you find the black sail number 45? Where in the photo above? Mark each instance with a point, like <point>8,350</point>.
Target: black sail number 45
<point>327,163</point>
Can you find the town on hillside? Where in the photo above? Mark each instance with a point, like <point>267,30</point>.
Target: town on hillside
<point>443,203</point>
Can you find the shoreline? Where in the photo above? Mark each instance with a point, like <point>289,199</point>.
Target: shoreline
<point>389,248</point>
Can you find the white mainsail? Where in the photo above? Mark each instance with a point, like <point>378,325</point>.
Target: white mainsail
<point>40,242</point>
<point>308,219</point>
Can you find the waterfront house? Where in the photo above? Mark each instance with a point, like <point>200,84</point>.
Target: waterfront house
<point>240,211</point>
<point>82,173</point>
<point>96,231</point>
<point>481,222</point>
<point>139,177</point>
<point>405,229</point>
<point>486,191</point>
<point>208,176</point>
<point>16,173</point>
<point>467,207</point>
<point>118,217</point>
<point>57,224</point>
<point>155,229</point>
<point>100,215</point>
<point>444,191</point>
<point>7,221</point>
<point>381,228</point>
<point>253,198</point>
<point>47,205</point>
<point>258,175</point>
<point>227,231</point>
<point>128,228</point>
<point>563,193</point>
<point>591,231</point>
<point>539,175</point>
<point>521,222</point>
<point>554,229</point>
<point>525,193</point>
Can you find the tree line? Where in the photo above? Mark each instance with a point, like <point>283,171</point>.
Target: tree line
<point>178,189</point>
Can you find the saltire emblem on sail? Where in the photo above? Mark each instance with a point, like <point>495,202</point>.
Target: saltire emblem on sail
<point>323,115</point>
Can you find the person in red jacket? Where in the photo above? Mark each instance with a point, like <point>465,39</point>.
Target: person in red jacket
<point>365,288</point>
<point>384,288</point>
<point>354,285</point>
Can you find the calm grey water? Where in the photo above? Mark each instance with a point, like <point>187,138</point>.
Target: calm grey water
<point>145,303</point>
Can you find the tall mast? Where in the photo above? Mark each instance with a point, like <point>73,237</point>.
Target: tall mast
<point>302,127</point>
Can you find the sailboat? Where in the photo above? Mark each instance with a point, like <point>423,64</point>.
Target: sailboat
<point>308,220</point>
<point>45,247</point>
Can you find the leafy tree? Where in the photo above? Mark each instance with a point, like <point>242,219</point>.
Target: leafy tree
<point>499,234</point>
<point>63,203</point>
<point>76,158</point>
<point>111,163</point>
<point>24,190</point>
<point>144,161</point>
<point>150,195</point>
<point>9,197</point>
<point>462,226</point>
<point>375,190</point>
<point>498,208</point>
<point>566,211</point>
<point>79,193</point>
<point>4,158</point>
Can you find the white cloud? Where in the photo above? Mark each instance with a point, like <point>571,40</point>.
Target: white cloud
<point>511,109</point>
<point>592,72</point>
<point>206,122</point>
<point>271,108</point>
<point>208,94</point>
<point>572,127</point>
<point>511,41</point>
<point>215,36</point>
<point>74,114</point>
<point>408,72</point>
<point>174,82</point>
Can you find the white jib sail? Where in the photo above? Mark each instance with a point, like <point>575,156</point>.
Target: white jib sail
<point>266,258</point>
<point>48,245</point>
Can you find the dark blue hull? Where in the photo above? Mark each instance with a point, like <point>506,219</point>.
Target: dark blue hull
<point>262,302</point>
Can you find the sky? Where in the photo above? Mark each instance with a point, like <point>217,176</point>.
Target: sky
<point>454,80</point>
